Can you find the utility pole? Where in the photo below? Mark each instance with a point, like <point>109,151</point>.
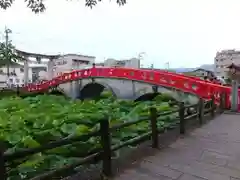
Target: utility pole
<point>7,32</point>
<point>152,66</point>
<point>167,64</point>
<point>140,57</point>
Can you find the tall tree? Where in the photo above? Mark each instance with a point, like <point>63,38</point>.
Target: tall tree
<point>8,55</point>
<point>38,6</point>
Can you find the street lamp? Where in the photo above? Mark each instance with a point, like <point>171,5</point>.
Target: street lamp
<point>140,57</point>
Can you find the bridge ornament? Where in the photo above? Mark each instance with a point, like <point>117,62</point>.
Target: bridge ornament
<point>159,78</point>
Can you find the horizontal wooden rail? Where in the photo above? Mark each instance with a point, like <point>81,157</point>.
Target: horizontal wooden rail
<point>66,141</point>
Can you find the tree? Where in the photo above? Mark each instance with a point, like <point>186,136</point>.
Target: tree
<point>38,6</point>
<point>8,55</point>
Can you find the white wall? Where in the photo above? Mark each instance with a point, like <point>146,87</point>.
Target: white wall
<point>128,63</point>
<point>18,79</point>
<point>70,62</point>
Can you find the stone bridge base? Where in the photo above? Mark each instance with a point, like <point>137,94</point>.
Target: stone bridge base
<point>123,89</point>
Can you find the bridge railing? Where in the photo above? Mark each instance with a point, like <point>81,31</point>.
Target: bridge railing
<point>198,111</point>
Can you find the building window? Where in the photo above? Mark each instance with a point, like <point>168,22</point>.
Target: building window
<point>21,70</point>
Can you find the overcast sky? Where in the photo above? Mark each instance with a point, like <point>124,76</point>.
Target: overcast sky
<point>185,33</point>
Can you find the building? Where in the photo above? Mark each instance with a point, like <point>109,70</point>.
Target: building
<point>69,62</point>
<point>49,66</point>
<point>200,72</point>
<point>130,63</point>
<point>36,62</point>
<point>224,59</point>
<point>16,75</point>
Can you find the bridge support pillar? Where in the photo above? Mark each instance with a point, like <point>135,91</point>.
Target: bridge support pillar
<point>133,89</point>
<point>75,89</point>
<point>155,89</point>
<point>234,96</point>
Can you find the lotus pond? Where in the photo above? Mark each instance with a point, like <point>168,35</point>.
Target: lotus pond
<point>34,121</point>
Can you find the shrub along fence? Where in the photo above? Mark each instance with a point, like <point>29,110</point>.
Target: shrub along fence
<point>199,111</point>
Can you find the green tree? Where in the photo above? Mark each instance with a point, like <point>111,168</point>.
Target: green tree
<point>8,55</point>
<point>38,6</point>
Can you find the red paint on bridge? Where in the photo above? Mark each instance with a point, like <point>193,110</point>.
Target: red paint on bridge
<point>184,83</point>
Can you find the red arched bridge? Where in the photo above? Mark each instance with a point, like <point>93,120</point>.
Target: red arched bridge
<point>126,82</point>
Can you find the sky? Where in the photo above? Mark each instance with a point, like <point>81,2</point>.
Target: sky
<point>185,33</point>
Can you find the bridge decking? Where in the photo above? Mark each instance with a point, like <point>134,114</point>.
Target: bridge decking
<point>211,152</point>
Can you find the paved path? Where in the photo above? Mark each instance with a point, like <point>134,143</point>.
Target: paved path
<point>208,153</point>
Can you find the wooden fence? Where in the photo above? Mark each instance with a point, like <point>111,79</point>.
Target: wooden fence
<point>201,109</point>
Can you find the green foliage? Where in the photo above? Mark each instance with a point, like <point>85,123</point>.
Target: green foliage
<point>38,6</point>
<point>8,56</point>
<point>34,121</point>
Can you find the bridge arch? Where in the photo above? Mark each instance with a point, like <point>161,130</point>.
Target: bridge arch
<point>94,89</point>
<point>57,91</point>
<point>147,96</point>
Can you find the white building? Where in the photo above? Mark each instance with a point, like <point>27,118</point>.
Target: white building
<point>45,67</point>
<point>130,63</point>
<point>67,63</point>
<point>223,59</point>
<point>49,66</point>
<point>16,76</point>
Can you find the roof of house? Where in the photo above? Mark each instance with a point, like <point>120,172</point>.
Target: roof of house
<point>201,69</point>
<point>24,53</point>
<point>80,55</point>
<point>52,56</point>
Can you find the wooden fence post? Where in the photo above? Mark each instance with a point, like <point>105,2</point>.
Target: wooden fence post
<point>200,111</point>
<point>106,145</point>
<point>153,119</point>
<point>213,106</point>
<point>181,116</point>
<point>3,174</point>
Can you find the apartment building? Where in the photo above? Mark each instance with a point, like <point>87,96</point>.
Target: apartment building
<point>223,59</point>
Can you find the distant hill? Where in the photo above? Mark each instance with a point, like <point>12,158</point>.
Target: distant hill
<point>209,67</point>
<point>180,70</point>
